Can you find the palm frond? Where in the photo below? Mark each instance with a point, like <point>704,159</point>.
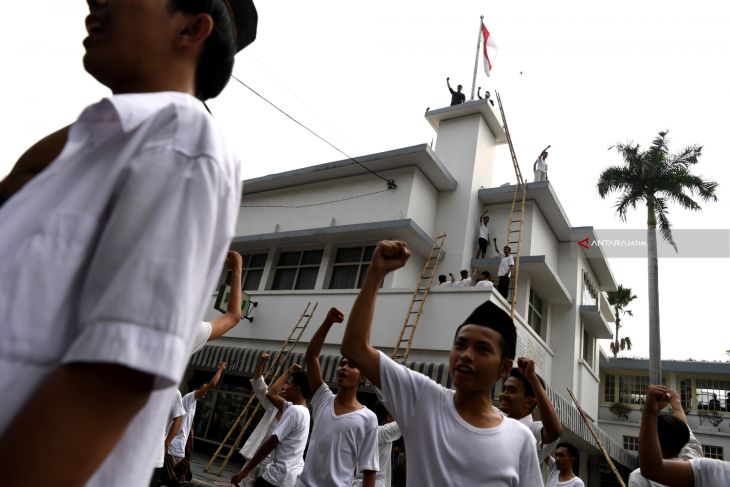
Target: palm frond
<point>614,178</point>
<point>661,211</point>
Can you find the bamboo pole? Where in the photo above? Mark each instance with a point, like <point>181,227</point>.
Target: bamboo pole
<point>595,437</point>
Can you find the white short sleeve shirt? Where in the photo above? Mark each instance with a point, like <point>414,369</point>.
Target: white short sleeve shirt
<point>504,265</point>
<point>553,477</point>
<point>201,336</point>
<point>535,427</point>
<point>177,447</point>
<point>709,472</point>
<point>287,459</point>
<point>340,446</point>
<point>450,450</point>
<point>109,256</point>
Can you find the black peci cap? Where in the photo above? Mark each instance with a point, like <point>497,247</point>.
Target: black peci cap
<point>245,20</point>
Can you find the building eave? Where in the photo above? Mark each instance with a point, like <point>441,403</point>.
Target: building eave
<point>594,321</point>
<point>686,366</point>
<point>403,229</point>
<point>420,156</point>
<point>596,259</point>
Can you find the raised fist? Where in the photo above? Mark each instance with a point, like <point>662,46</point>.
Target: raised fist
<point>335,315</point>
<point>390,255</point>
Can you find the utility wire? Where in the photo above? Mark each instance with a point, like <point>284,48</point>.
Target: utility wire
<point>391,184</point>
<point>317,204</point>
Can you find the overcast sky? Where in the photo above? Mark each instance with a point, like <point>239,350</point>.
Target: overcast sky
<point>580,76</point>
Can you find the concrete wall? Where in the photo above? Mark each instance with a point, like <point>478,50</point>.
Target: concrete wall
<point>542,240</point>
<point>422,203</point>
<point>390,205</point>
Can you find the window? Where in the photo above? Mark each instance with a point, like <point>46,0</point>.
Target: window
<point>253,269</point>
<point>297,270</point>
<point>609,388</point>
<point>632,388</point>
<point>685,394</point>
<point>534,312</point>
<point>351,264</point>
<point>588,348</point>
<point>713,394</point>
<point>631,443</point>
<point>712,451</point>
<point>590,296</point>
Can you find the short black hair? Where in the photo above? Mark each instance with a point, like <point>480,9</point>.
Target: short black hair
<point>486,274</point>
<point>442,278</point>
<point>490,315</point>
<point>464,273</point>
<point>673,434</point>
<point>215,64</point>
<point>299,379</point>
<point>529,391</point>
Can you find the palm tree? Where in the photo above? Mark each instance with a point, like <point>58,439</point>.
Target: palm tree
<point>655,177</point>
<point>620,299</point>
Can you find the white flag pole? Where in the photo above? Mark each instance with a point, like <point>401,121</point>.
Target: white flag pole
<point>476,59</point>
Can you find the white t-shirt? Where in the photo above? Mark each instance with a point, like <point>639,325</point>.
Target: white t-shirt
<point>553,477</point>
<point>202,334</point>
<point>132,221</point>
<point>448,450</point>
<point>287,459</point>
<point>177,447</point>
<point>690,451</point>
<point>176,410</point>
<point>387,434</point>
<point>535,427</point>
<point>540,164</point>
<point>340,446</point>
<point>266,425</point>
<point>466,282</point>
<point>504,265</point>
<point>485,283</point>
<point>484,231</point>
<point>709,472</point>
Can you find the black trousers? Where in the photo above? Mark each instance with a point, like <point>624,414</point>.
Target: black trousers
<point>503,286</point>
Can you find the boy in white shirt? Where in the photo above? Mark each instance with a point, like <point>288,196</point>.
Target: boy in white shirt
<point>388,432</point>
<point>560,468</point>
<point>289,438</point>
<point>483,241</point>
<point>485,281</point>
<point>344,438</point>
<point>675,438</point>
<point>452,436</point>
<point>522,392</point>
<point>699,472</point>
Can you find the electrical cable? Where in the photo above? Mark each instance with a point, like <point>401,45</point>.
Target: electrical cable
<point>318,204</point>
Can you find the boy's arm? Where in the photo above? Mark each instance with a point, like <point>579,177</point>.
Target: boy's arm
<point>33,162</point>
<point>212,383</point>
<point>311,358</point>
<point>266,447</point>
<point>449,86</point>
<point>368,478</point>
<point>174,428</point>
<point>552,429</point>
<point>87,433</point>
<point>224,323</point>
<point>496,247</point>
<point>273,393</point>
<point>388,256</point>
<point>259,371</point>
<point>653,466</point>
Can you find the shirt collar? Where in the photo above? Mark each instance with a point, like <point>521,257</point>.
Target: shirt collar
<point>131,109</point>
<point>527,420</point>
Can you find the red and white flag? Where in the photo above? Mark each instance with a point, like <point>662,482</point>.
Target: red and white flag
<point>489,49</point>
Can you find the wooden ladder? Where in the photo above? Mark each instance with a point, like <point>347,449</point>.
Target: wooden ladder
<point>251,409</point>
<point>418,300</point>
<point>516,216</point>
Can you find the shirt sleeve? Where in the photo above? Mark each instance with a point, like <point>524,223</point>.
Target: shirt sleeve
<point>259,389</point>
<point>367,458</point>
<point>320,396</point>
<point>400,388</point>
<point>177,409</point>
<point>709,472</point>
<point>388,433</point>
<point>146,285</point>
<point>290,419</point>
<point>202,333</point>
<point>544,449</point>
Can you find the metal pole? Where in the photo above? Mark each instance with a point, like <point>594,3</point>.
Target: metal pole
<point>476,59</point>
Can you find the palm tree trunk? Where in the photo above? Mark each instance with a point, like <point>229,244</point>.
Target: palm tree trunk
<point>655,348</point>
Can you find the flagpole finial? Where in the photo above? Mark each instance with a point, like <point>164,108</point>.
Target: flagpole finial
<point>481,17</point>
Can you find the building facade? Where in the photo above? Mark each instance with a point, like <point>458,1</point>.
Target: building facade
<point>307,236</point>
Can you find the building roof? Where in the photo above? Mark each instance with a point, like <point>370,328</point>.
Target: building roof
<point>435,117</point>
<point>689,366</point>
<point>420,156</point>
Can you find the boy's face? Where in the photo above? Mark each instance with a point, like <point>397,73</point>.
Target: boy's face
<point>129,40</point>
<point>513,401</point>
<point>348,376</point>
<point>475,359</point>
<point>287,390</point>
<point>563,460</point>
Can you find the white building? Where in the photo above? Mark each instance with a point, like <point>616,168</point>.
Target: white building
<point>296,254</point>
<point>703,388</point>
